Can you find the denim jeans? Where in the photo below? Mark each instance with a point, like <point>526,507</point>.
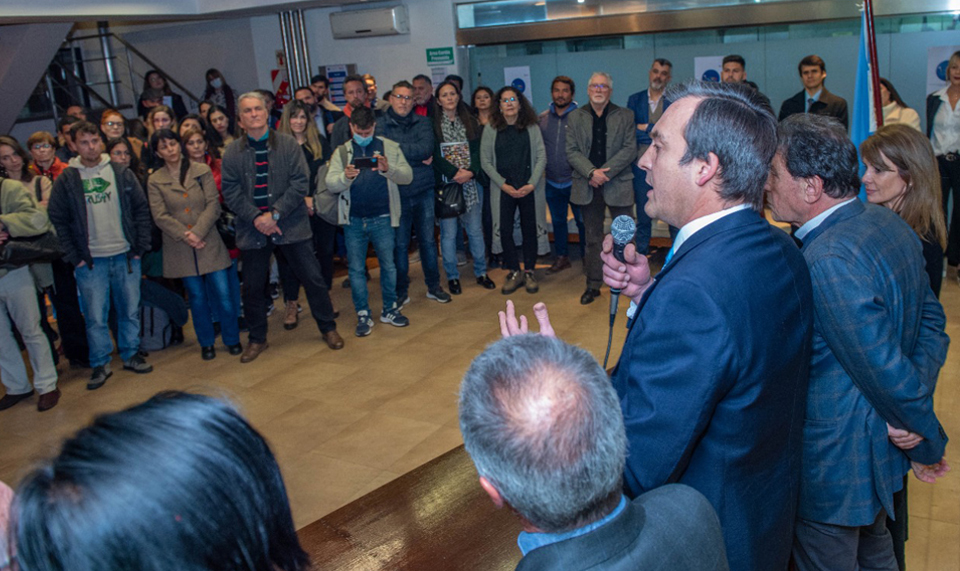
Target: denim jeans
<point>233,284</point>
<point>359,234</point>
<point>472,221</point>
<point>557,201</point>
<point>198,288</point>
<point>416,213</point>
<point>115,279</point>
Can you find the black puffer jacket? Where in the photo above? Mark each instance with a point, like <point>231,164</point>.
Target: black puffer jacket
<point>414,134</point>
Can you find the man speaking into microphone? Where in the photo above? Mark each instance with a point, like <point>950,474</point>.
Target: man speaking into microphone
<point>712,377</point>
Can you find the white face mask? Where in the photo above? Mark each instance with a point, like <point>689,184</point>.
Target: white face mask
<point>216,83</point>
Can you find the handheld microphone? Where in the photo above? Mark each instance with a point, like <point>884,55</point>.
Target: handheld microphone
<point>623,230</point>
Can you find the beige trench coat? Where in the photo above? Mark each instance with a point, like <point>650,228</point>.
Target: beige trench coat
<point>194,206</point>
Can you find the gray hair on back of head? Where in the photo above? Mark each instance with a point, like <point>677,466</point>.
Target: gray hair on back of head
<point>542,423</point>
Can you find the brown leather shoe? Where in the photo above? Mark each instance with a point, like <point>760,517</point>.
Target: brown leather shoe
<point>562,263</point>
<point>290,315</point>
<point>48,400</point>
<point>333,340</point>
<point>9,400</point>
<point>253,351</point>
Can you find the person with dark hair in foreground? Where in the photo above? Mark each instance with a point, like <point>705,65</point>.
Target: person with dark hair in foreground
<point>537,414</point>
<point>869,413</point>
<point>179,482</point>
<point>712,378</point>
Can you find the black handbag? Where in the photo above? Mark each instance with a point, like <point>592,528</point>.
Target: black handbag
<point>26,250</point>
<point>227,228</point>
<point>42,249</point>
<point>450,201</point>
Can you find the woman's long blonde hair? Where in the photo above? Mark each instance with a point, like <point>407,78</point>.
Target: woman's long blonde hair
<point>916,164</point>
<point>312,135</point>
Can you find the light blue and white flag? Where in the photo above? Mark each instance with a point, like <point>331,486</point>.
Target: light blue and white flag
<point>864,121</point>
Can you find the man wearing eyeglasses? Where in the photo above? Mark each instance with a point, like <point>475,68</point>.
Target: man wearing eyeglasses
<point>601,146</point>
<point>647,106</point>
<point>414,134</point>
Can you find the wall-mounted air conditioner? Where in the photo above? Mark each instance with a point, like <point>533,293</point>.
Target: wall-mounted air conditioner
<point>366,23</point>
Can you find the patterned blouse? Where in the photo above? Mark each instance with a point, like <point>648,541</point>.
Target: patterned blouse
<point>455,132</point>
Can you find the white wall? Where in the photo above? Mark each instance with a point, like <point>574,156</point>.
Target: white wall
<point>187,50</point>
<point>389,58</point>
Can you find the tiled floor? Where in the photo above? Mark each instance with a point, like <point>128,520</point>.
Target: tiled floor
<point>343,423</point>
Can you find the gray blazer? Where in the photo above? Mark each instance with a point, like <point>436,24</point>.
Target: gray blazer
<point>287,183</point>
<point>621,153</point>
<point>670,528</point>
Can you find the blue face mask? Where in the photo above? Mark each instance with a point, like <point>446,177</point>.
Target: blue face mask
<point>362,141</point>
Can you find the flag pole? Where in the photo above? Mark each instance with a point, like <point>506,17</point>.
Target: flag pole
<point>872,55</point>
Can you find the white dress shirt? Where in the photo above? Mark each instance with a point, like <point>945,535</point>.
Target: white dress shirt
<point>945,136</point>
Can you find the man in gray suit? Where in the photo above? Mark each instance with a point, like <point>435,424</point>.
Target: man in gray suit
<point>601,146</point>
<point>542,423</point>
<point>878,345</point>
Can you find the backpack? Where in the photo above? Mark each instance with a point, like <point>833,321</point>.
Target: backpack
<point>326,203</point>
<point>156,330</point>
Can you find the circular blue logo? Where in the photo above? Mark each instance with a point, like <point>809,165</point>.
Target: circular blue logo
<point>711,75</point>
<point>519,85</point>
<point>942,70</point>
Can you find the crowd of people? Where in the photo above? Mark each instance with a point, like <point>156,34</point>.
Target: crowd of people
<point>743,377</point>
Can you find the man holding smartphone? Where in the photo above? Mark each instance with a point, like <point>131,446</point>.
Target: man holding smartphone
<point>367,170</point>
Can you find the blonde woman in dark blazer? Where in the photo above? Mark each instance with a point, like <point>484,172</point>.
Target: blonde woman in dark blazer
<point>185,206</point>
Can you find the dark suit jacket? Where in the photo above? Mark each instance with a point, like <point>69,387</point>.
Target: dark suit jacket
<point>713,381</point>
<point>639,103</point>
<point>828,104</point>
<point>878,346</point>
<point>672,528</point>
<point>933,105</point>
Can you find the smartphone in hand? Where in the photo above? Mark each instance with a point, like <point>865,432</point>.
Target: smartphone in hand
<point>361,163</point>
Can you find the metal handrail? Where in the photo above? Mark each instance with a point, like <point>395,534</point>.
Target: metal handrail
<point>80,83</point>
<point>149,62</point>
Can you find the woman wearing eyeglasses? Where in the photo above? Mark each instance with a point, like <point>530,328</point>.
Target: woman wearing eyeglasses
<point>513,156</point>
<point>43,149</point>
<point>113,125</point>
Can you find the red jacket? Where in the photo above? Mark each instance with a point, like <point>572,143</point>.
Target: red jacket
<point>56,167</point>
